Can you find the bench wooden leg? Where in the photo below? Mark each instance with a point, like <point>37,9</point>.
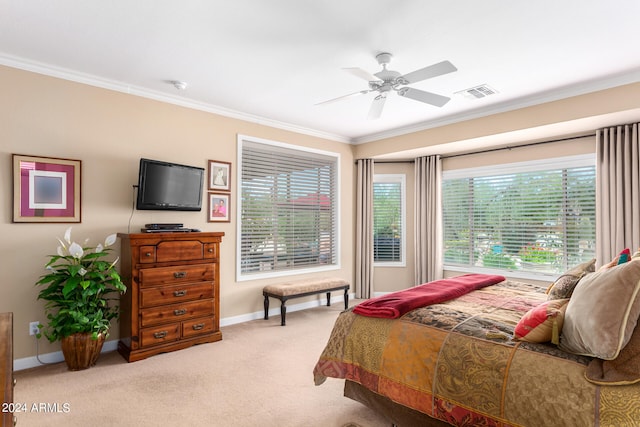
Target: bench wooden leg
<point>266,307</point>
<point>283,313</point>
<point>328,299</point>
<point>346,298</point>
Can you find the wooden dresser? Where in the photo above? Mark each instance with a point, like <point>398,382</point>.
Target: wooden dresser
<point>6,368</point>
<point>173,290</point>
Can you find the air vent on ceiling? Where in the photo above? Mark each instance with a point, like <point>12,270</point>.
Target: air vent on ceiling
<point>477,92</point>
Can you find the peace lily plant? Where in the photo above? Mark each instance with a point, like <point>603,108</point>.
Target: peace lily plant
<point>80,289</point>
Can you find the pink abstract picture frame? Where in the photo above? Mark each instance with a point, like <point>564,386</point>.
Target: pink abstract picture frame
<point>46,189</point>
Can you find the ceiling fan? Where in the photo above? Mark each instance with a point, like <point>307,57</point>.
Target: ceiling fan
<point>385,81</point>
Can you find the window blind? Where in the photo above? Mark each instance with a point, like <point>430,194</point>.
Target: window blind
<point>388,218</point>
<point>534,216</point>
<point>288,208</point>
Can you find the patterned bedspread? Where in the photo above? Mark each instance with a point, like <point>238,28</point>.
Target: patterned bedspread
<point>457,362</point>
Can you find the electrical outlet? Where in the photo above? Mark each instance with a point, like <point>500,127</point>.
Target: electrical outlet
<point>33,328</point>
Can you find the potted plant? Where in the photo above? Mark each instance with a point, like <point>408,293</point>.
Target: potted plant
<point>81,291</point>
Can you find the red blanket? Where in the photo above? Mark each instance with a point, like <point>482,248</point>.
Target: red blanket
<point>395,304</point>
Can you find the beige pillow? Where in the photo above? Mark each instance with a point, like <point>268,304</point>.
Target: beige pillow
<point>564,285</point>
<point>603,312</point>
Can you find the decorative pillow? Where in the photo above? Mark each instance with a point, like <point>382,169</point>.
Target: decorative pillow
<point>542,323</point>
<point>563,286</point>
<point>625,256</point>
<point>622,257</point>
<point>603,312</point>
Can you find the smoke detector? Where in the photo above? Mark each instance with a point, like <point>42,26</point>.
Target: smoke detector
<point>178,84</point>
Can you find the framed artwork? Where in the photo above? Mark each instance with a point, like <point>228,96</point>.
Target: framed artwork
<point>219,207</point>
<point>219,175</point>
<point>46,189</point>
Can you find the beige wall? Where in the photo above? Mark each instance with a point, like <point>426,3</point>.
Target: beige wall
<point>109,132</point>
<point>601,108</point>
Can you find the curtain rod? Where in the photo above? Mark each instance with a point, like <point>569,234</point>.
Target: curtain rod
<point>489,150</point>
<point>510,147</point>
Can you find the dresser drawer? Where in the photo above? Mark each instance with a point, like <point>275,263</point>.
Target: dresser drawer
<point>160,334</point>
<point>195,327</point>
<point>177,274</point>
<point>175,312</point>
<point>147,254</point>
<point>210,251</point>
<point>150,297</point>
<point>179,251</point>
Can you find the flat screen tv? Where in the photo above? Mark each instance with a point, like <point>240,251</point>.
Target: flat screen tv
<point>169,186</point>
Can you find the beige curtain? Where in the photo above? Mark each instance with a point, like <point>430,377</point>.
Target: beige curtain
<point>428,219</point>
<point>364,229</point>
<point>617,191</point>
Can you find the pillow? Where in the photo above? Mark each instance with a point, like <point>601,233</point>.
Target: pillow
<point>625,256</point>
<point>542,323</point>
<point>563,286</point>
<point>603,312</point>
<point>622,257</point>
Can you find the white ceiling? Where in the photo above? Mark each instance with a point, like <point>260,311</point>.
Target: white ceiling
<point>272,61</point>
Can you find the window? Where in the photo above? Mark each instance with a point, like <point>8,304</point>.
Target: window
<point>534,216</point>
<point>389,219</point>
<point>288,207</point>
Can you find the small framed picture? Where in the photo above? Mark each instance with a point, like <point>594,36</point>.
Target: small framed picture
<point>219,207</point>
<point>219,175</point>
<point>46,189</point>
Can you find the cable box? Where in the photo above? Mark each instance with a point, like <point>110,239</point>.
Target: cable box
<point>163,226</point>
<point>166,230</point>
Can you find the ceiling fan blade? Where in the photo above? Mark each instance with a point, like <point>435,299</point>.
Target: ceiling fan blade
<point>359,72</point>
<point>376,107</point>
<point>434,70</point>
<point>422,96</point>
<point>329,101</point>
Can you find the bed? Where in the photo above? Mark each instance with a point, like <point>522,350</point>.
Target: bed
<point>457,362</point>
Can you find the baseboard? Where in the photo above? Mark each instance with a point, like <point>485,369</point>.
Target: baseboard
<point>56,356</point>
<point>275,311</point>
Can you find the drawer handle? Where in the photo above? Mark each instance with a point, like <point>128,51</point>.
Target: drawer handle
<point>148,254</point>
<point>180,274</point>
<point>160,334</point>
<point>180,293</point>
<point>180,312</point>
<point>198,326</point>
<point>210,250</point>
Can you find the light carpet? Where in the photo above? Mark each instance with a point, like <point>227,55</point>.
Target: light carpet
<point>260,374</point>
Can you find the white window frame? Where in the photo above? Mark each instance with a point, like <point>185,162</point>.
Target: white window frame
<point>567,162</point>
<point>402,180</point>
<point>240,276</point>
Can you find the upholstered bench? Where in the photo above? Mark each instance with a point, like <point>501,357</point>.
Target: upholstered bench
<point>303,288</point>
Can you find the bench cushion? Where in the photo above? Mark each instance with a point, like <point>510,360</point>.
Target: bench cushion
<point>304,286</point>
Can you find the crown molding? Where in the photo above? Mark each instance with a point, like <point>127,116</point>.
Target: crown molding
<point>91,80</point>
<point>530,101</point>
<point>541,98</point>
